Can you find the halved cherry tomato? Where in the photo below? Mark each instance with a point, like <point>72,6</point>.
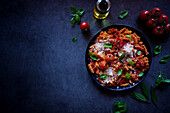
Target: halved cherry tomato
<point>103,65</point>
<point>158,31</point>
<point>151,23</point>
<point>84,26</point>
<point>164,19</point>
<point>144,15</point>
<point>167,28</point>
<point>109,57</point>
<point>156,12</point>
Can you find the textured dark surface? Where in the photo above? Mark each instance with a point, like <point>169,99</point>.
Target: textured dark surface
<point>43,71</point>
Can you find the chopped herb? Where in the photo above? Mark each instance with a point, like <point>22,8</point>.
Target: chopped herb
<point>128,36</point>
<point>93,56</point>
<point>107,45</point>
<point>153,95</point>
<point>139,52</point>
<point>122,56</point>
<point>165,59</point>
<point>120,107</point>
<point>119,72</point>
<point>74,39</point>
<point>123,14</point>
<point>103,76</point>
<point>131,62</point>
<point>145,90</point>
<point>141,74</point>
<point>157,49</point>
<point>127,76</point>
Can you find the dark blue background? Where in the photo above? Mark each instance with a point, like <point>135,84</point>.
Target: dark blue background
<point>43,71</point>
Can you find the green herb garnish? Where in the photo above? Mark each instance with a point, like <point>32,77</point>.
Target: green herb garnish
<point>141,74</point>
<point>139,97</point>
<point>103,76</point>
<point>166,81</point>
<point>164,59</point>
<point>74,39</point>
<point>131,62</point>
<point>119,72</point>
<point>123,14</point>
<point>139,52</point>
<point>107,45</point>
<point>157,49</point>
<point>153,96</point>
<point>160,79</point>
<point>120,107</point>
<point>128,36</point>
<point>145,90</point>
<point>121,57</point>
<point>127,76</point>
<point>93,56</point>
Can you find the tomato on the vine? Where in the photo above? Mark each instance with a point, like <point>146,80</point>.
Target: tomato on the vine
<point>167,28</point>
<point>164,19</point>
<point>156,12</point>
<point>84,26</point>
<point>144,15</point>
<point>158,31</point>
<point>151,23</point>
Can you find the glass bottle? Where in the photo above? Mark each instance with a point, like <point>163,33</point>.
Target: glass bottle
<point>101,9</point>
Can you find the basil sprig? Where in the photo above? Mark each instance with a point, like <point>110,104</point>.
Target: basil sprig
<point>107,45</point>
<point>131,62</point>
<point>160,79</point>
<point>128,36</point>
<point>153,96</point>
<point>157,49</point>
<point>123,14</point>
<point>103,76</point>
<point>122,56</point>
<point>145,90</point>
<point>76,15</point>
<point>120,107</point>
<point>74,39</point>
<point>119,72</point>
<point>164,59</point>
<point>93,56</point>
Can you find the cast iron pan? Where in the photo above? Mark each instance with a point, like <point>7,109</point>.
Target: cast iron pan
<point>143,39</point>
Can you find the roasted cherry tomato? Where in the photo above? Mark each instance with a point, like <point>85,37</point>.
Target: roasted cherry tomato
<point>151,23</point>
<point>158,31</point>
<point>164,19</point>
<point>84,26</point>
<point>140,64</point>
<point>103,65</point>
<point>109,57</point>
<point>156,12</point>
<point>144,15</point>
<point>167,28</point>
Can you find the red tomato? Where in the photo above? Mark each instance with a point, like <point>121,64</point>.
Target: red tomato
<point>156,12</point>
<point>144,15</point>
<point>84,26</point>
<point>158,31</point>
<point>164,19</point>
<point>151,23</point>
<point>103,65</point>
<point>109,57</point>
<point>167,28</point>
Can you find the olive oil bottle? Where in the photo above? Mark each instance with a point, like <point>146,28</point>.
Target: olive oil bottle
<point>101,9</point>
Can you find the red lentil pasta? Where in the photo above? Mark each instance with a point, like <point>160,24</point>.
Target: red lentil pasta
<point>118,57</point>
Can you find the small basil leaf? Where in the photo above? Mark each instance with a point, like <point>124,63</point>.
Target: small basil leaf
<point>80,12</point>
<point>165,59</point>
<point>72,21</point>
<point>123,14</point>
<point>74,39</point>
<point>139,52</point>
<point>153,95</point>
<point>140,97</point>
<point>141,74</point>
<point>131,62</point>
<point>127,76</point>
<point>77,18</point>
<point>128,36</point>
<point>157,49</point>
<point>159,79</point>
<point>107,45</point>
<point>166,81</point>
<point>145,90</point>
<point>121,57</point>
<point>103,76</point>
<point>119,72</point>
<point>93,56</point>
<point>120,107</point>
<point>73,9</point>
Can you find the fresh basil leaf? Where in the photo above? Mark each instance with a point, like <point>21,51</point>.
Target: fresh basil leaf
<point>127,76</point>
<point>73,21</point>
<point>77,18</point>
<point>165,59</point>
<point>145,90</point>
<point>159,79</point>
<point>93,56</point>
<point>123,14</point>
<point>120,107</point>
<point>153,95</point>
<point>131,62</point>
<point>80,12</point>
<point>74,39</point>
<point>139,53</point>
<point>128,36</point>
<point>166,81</point>
<point>140,97</point>
<point>157,49</point>
<point>119,72</point>
<point>122,56</point>
<point>141,74</point>
<point>107,45</point>
<point>73,9</point>
<point>103,76</point>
